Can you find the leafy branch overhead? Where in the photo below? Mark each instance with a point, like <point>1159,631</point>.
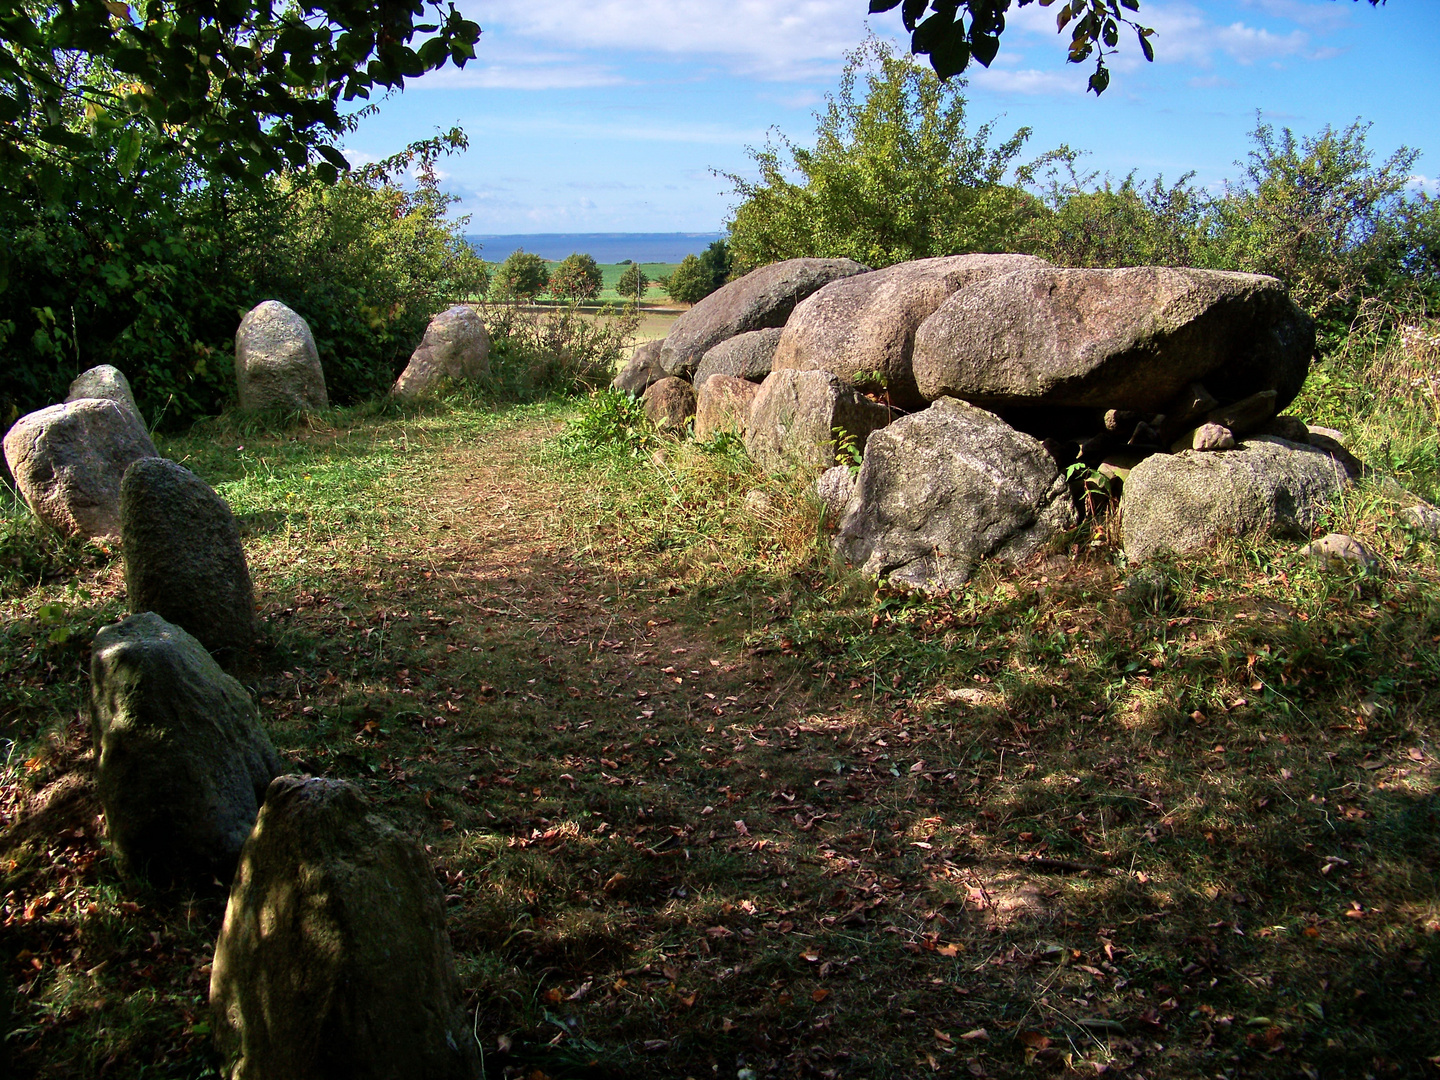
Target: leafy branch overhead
<point>953,32</point>
<point>238,84</point>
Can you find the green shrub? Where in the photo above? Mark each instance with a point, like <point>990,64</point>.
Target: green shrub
<point>609,421</point>
<point>152,273</point>
<point>559,350</point>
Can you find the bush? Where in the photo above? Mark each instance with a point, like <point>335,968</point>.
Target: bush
<point>609,421</point>
<point>152,271</point>
<point>555,351</point>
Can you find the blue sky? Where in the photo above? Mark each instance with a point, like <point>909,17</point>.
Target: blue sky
<point>609,115</point>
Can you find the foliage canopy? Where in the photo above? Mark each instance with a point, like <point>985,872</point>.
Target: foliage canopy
<point>894,175</point>
<point>577,277</point>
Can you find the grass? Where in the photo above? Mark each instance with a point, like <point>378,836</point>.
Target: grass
<point>704,802</point>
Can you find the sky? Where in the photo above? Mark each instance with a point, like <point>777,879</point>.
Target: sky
<point>615,115</point>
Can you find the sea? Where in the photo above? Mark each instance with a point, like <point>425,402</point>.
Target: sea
<point>602,247</point>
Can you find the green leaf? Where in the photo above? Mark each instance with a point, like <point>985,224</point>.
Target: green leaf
<point>1100,80</point>
<point>985,47</point>
<point>1145,46</point>
<point>127,150</point>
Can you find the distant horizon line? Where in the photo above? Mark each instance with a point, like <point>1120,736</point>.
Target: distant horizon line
<point>682,232</point>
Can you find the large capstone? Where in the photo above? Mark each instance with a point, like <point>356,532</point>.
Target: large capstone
<point>1183,502</point>
<point>722,404</point>
<point>276,363</point>
<point>1130,339</point>
<point>333,962</point>
<point>863,328</point>
<point>942,489</point>
<point>748,356</point>
<point>762,298</point>
<point>181,759</point>
<point>642,371</point>
<point>68,461</point>
<point>803,418</point>
<point>454,350</point>
<point>105,381</point>
<point>183,555</point>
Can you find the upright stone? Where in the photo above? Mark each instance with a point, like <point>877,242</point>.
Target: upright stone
<point>1184,502</point>
<point>181,759</point>
<point>183,556</point>
<point>723,403</point>
<point>761,299</point>
<point>68,461</point>
<point>105,381</point>
<point>455,349</point>
<point>643,370</point>
<point>862,328</point>
<point>944,488</point>
<point>1130,339</point>
<point>333,962</point>
<point>276,363</point>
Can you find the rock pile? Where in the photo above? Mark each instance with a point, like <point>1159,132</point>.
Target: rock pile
<point>333,962</point>
<point>977,385</point>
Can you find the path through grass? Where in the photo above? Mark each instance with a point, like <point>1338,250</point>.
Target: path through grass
<point>704,805</point>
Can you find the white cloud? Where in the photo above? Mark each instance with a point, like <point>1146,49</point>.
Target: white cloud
<point>1322,16</point>
<point>1068,80</point>
<point>766,39</point>
<point>696,132</point>
<point>503,66</point>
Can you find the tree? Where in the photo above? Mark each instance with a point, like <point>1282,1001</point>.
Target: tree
<point>717,261</point>
<point>951,42</point>
<point>632,282</point>
<point>522,276</point>
<point>577,277</point>
<point>239,86</point>
<point>894,175</point>
<point>690,282</point>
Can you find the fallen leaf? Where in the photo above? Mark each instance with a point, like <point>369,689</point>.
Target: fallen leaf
<point>976,1035</point>
<point>819,995</point>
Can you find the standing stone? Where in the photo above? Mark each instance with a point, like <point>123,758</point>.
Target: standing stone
<point>746,356</point>
<point>1183,502</point>
<point>669,403</point>
<point>794,419</point>
<point>105,381</point>
<point>862,328</point>
<point>762,298</point>
<point>183,556</point>
<point>181,759</point>
<point>276,364</point>
<point>68,461</point>
<point>723,403</point>
<point>1114,339</point>
<point>944,488</point>
<point>333,962</point>
<point>643,371</point>
<point>455,349</point>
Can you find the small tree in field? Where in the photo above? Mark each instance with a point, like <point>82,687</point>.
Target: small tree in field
<point>691,282</point>
<point>522,276</point>
<point>576,278</point>
<point>632,282</point>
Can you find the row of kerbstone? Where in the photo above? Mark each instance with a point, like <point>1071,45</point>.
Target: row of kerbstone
<point>333,960</point>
